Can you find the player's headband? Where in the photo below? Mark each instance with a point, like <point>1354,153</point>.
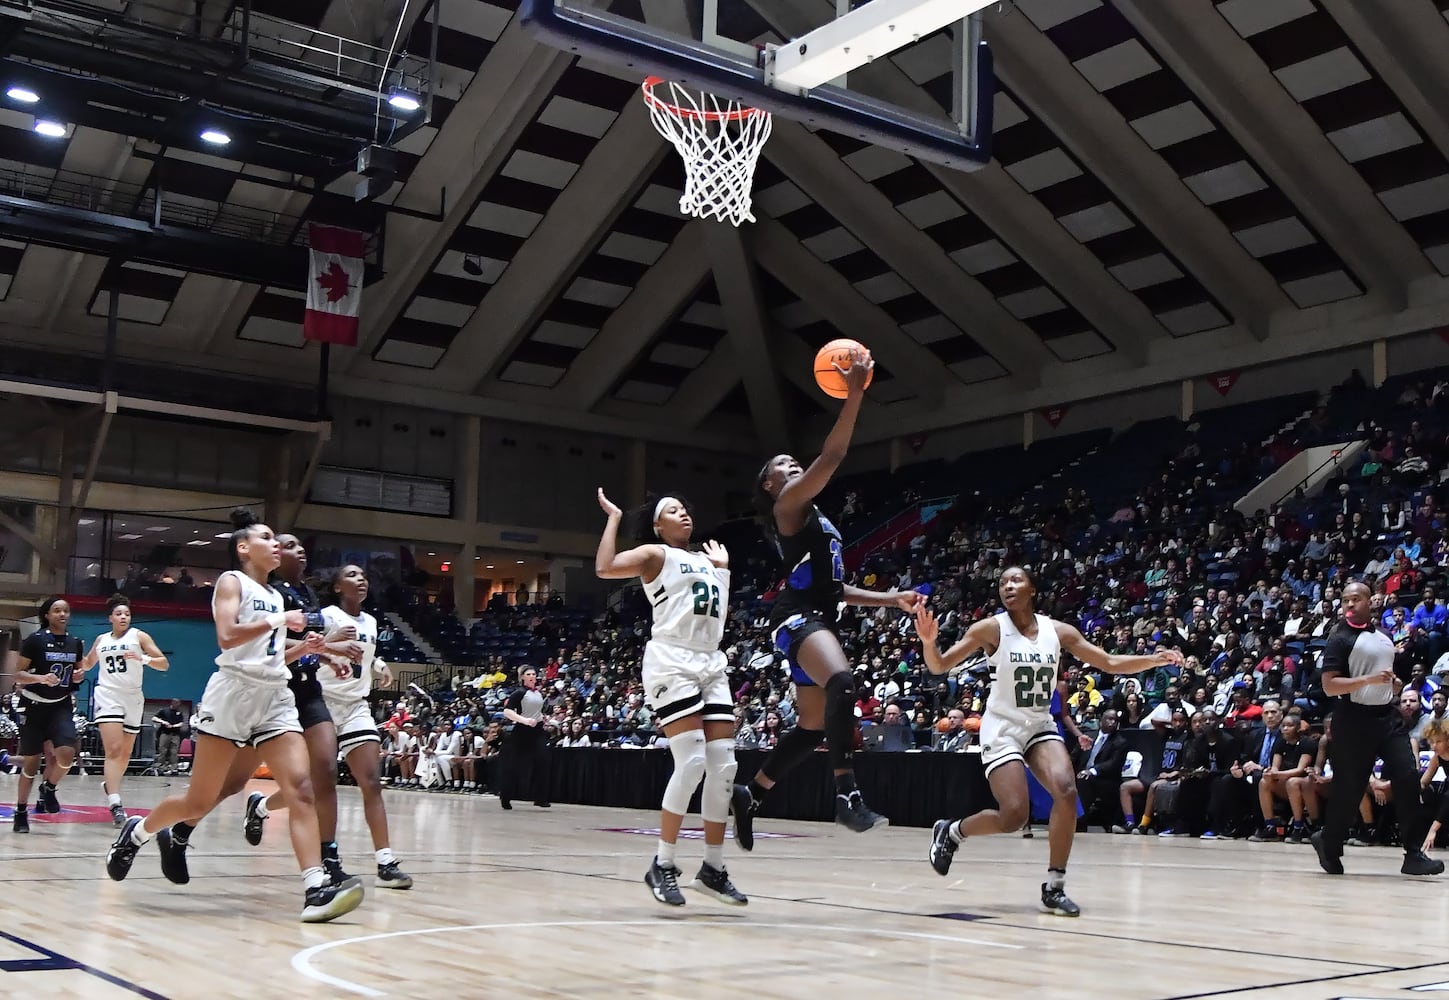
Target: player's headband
<point>659,508</point>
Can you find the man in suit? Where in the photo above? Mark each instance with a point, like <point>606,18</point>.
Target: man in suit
<point>1101,773</point>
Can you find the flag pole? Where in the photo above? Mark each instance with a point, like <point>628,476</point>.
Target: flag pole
<point>324,363</point>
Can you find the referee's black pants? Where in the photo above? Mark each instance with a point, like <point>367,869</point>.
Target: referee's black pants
<point>1361,735</point>
<point>525,767</point>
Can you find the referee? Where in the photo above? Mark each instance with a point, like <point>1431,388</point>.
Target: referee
<point>526,748</point>
<point>1358,671</point>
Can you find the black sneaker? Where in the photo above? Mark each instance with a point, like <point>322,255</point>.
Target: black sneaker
<point>328,902</point>
<point>22,821</point>
<point>335,874</point>
<point>543,805</point>
<point>852,812</point>
<point>1267,834</point>
<point>173,856</point>
<point>123,851</point>
<point>1330,856</point>
<point>47,799</point>
<point>742,808</point>
<point>716,882</point>
<point>390,876</point>
<point>1418,863</point>
<point>505,803</point>
<point>943,847</point>
<point>663,881</point>
<point>1056,901</point>
<point>118,815</point>
<point>1297,833</point>
<point>252,823</point>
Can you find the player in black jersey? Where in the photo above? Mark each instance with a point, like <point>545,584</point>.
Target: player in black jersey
<point>46,676</point>
<point>804,617</point>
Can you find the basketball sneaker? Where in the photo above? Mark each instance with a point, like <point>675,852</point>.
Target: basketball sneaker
<point>852,812</point>
<point>123,851</point>
<point>328,902</point>
<point>173,856</point>
<point>943,847</point>
<point>742,808</point>
<point>1418,863</point>
<point>118,815</point>
<point>335,874</point>
<point>663,881</point>
<point>22,821</point>
<point>1267,834</point>
<point>252,823</point>
<point>1330,856</point>
<point>1297,833</point>
<point>716,882</point>
<point>390,876</point>
<point>1055,901</point>
<point>47,799</point>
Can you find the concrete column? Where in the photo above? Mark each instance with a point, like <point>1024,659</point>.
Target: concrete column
<point>465,513</point>
<point>465,583</point>
<point>1028,429</point>
<point>1187,399</point>
<point>1381,362</point>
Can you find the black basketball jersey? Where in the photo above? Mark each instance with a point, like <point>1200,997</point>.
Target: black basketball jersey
<point>304,669</point>
<point>49,653</point>
<point>814,558</point>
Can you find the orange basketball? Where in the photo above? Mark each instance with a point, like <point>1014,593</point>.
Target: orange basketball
<point>837,352</point>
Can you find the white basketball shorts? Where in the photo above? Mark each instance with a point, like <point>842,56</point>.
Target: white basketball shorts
<point>123,705</point>
<point>244,712</point>
<point>681,682</point>
<point>1004,738</point>
<point>354,722</point>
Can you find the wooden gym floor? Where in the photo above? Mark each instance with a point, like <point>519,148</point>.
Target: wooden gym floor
<point>551,904</point>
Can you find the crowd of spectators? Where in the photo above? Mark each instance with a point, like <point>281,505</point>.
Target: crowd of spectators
<point>1247,598</point>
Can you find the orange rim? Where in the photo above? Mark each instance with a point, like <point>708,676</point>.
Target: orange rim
<point>709,116</point>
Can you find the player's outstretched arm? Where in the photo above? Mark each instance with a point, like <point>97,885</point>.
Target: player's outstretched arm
<point>1076,644</point>
<point>799,494</point>
<point>985,634</point>
<point>609,563</point>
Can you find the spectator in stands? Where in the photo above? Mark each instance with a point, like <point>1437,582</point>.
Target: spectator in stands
<point>1292,757</point>
<point>894,734</point>
<point>1099,778</point>
<point>1161,794</point>
<point>956,739</point>
<point>1207,790</point>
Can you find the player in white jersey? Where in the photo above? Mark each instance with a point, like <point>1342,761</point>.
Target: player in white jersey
<point>1017,728</point>
<point>346,698</point>
<point>123,655</point>
<point>246,703</point>
<point>686,684</point>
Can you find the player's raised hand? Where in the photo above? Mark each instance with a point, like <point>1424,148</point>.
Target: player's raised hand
<point>609,506</point>
<point>927,628</point>
<point>858,374</point>
<point>910,601</point>
<point>716,554</point>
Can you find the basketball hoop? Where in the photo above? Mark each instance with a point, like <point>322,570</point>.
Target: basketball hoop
<point>720,143</point>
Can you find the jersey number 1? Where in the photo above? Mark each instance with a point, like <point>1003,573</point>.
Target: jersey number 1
<point>706,599</point>
<point>1034,687</point>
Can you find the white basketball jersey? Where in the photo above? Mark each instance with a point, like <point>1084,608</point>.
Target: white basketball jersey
<point>356,686</point>
<point>261,659</point>
<point>116,672</point>
<point>690,598</point>
<point>1024,671</point>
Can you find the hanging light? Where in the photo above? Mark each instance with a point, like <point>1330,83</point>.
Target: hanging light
<point>22,95</point>
<point>50,129</point>
<point>403,101</point>
<point>215,136</point>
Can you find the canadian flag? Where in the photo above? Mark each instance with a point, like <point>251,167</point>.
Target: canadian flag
<point>334,285</point>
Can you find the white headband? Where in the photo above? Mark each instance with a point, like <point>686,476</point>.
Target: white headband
<point>665,502</point>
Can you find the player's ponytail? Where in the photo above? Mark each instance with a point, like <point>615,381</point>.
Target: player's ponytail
<point>243,520</point>
<point>764,505</point>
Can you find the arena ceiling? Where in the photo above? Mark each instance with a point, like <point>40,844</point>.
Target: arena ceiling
<point>1176,187</point>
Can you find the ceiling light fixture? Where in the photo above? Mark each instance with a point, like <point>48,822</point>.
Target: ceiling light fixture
<point>50,129</point>
<point>403,101</point>
<point>22,95</point>
<point>215,136</point>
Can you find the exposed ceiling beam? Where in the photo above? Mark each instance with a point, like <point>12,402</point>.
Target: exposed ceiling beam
<point>1229,77</point>
<point>1405,41</point>
<point>663,292</point>
<point>1040,75</point>
<point>870,216</point>
<point>607,181</point>
<point>1018,219</point>
<point>837,301</point>
<point>475,141</point>
<point>748,325</point>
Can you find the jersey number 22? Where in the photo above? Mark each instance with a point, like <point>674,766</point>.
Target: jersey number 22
<point>706,599</point>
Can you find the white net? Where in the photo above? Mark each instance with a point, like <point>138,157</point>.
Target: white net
<point>720,143</point>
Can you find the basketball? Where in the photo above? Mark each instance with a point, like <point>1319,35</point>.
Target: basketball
<point>837,352</point>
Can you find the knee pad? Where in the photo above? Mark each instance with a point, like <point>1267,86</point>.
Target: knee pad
<point>689,764</point>
<point>719,780</point>
<point>841,685</point>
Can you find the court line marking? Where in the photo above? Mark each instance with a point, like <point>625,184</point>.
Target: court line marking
<point>1305,982</point>
<point>79,966</point>
<point>302,960</point>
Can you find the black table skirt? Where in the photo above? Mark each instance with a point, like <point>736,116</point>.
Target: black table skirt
<point>910,789</point>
